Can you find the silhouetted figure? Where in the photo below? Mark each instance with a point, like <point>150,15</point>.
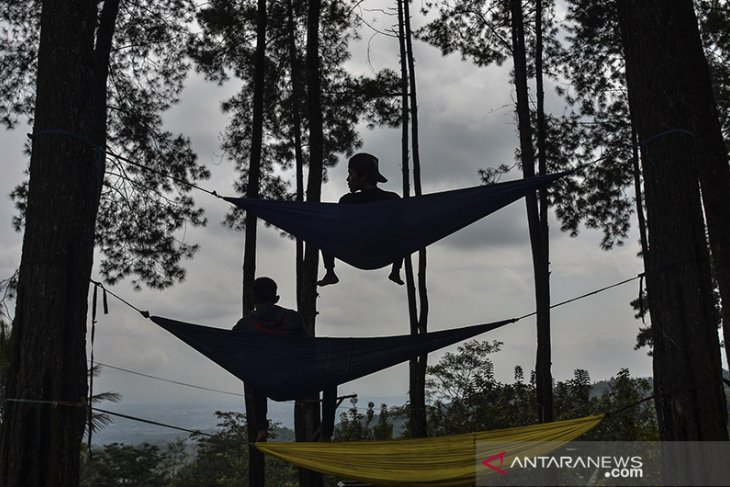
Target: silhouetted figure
<point>363,177</point>
<point>269,318</point>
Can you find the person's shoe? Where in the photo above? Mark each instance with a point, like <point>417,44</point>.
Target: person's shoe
<point>395,277</point>
<point>262,436</point>
<point>329,278</point>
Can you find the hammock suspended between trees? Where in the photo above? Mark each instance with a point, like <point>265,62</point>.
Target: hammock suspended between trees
<point>376,234</point>
<point>291,367</point>
<point>446,461</point>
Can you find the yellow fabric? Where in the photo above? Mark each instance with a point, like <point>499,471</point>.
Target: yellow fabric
<point>441,461</point>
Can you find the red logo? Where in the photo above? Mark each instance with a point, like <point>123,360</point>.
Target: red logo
<point>488,462</point>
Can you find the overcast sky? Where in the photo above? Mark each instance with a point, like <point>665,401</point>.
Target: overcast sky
<point>480,274</point>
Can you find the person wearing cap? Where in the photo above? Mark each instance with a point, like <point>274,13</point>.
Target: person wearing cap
<point>269,318</point>
<point>363,177</point>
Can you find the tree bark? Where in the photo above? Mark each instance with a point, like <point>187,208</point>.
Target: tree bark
<point>256,465</point>
<point>423,304</point>
<point>307,410</point>
<point>714,172</point>
<point>688,385</point>
<point>416,386</point>
<point>543,361</point>
<point>41,440</point>
<point>295,68</point>
<point>543,364</point>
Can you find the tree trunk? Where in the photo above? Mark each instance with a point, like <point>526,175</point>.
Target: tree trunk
<point>688,386</point>
<point>423,305</point>
<point>102,52</point>
<point>41,440</point>
<point>295,68</point>
<point>256,466</point>
<point>538,229</point>
<point>307,410</point>
<point>714,172</point>
<point>543,362</point>
<point>416,387</point>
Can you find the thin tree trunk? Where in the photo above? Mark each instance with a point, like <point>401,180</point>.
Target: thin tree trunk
<point>418,399</point>
<point>417,408</point>
<point>102,52</point>
<point>643,238</point>
<point>543,376</point>
<point>256,459</point>
<point>40,443</point>
<point>297,97</point>
<point>307,412</point>
<point>542,276</point>
<point>688,386</point>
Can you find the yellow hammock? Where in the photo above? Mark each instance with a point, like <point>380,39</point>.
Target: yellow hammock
<point>440,461</point>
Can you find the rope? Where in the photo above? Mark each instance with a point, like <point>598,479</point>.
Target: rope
<point>101,150</point>
<point>91,348</point>
<point>585,295</point>
<point>594,161</point>
<point>112,413</point>
<point>148,421</point>
<point>642,311</point>
<point>649,398</point>
<point>91,369</point>
<point>72,404</point>
<point>664,134</point>
<point>624,408</point>
<point>214,193</point>
<point>668,393</point>
<point>146,314</point>
<point>163,174</point>
<point>644,143</point>
<point>238,394</point>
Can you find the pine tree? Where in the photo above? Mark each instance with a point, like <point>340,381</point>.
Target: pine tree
<point>40,443</point>
<point>690,400</point>
<point>141,209</point>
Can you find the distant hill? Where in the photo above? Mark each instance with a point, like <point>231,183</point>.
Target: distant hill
<point>602,386</point>
<point>194,416</point>
<point>197,416</point>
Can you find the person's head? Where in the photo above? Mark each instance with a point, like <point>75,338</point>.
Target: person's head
<point>263,291</point>
<point>362,172</point>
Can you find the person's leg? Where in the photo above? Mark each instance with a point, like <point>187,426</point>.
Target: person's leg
<point>329,265</point>
<point>261,409</point>
<point>395,272</point>
<point>329,410</point>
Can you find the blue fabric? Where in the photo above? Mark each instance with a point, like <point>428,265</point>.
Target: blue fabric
<point>375,234</point>
<point>290,367</point>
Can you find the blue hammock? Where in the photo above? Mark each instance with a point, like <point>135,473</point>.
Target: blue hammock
<point>378,233</point>
<point>289,367</point>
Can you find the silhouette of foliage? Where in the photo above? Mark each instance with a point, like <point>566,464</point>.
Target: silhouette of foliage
<point>466,397</point>
<point>355,426</point>
<point>224,49</point>
<point>142,211</point>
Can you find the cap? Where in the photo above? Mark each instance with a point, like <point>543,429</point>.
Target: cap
<point>367,163</point>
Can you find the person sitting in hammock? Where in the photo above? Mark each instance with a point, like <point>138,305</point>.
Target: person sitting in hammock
<point>363,177</point>
<point>269,318</point>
